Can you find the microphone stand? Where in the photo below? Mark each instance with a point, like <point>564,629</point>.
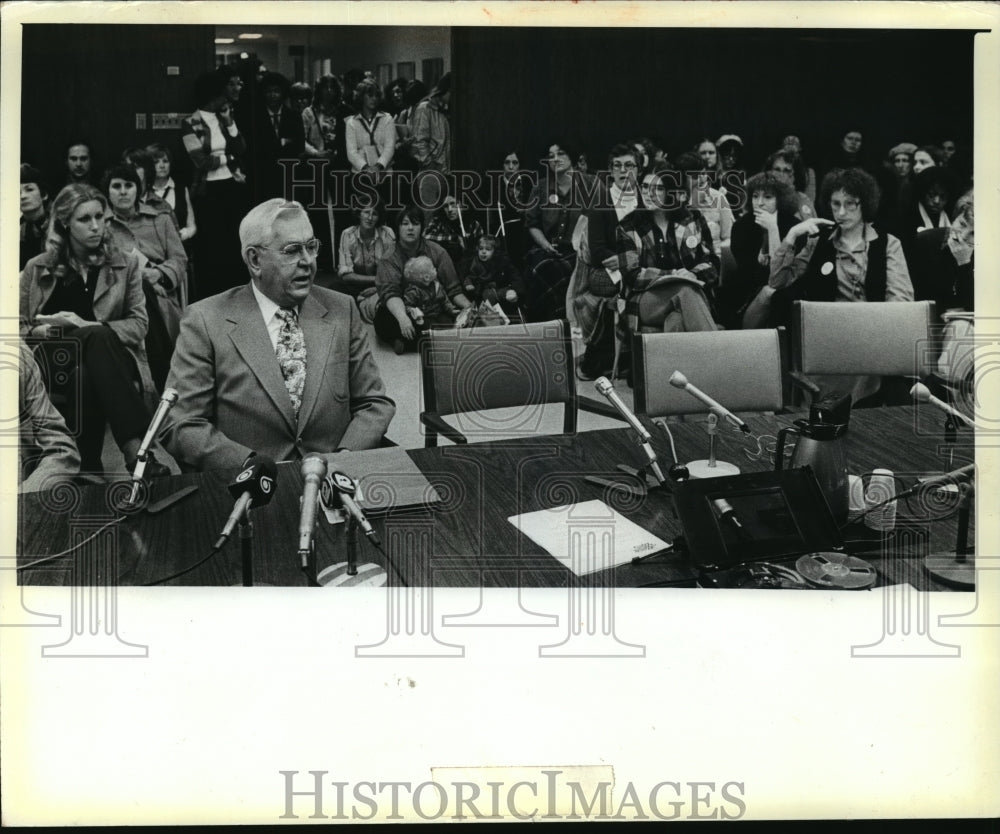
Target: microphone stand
<point>957,567</point>
<point>246,548</point>
<point>352,545</point>
<point>711,467</point>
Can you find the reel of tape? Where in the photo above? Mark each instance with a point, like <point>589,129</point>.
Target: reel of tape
<point>836,570</point>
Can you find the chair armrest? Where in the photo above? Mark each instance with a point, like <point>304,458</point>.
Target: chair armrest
<point>435,422</point>
<point>596,407</point>
<point>804,382</point>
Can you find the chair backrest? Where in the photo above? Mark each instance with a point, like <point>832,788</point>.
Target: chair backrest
<point>886,338</point>
<point>727,265</point>
<point>482,368</point>
<point>744,370</point>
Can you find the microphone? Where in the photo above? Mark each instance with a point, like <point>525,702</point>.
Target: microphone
<point>956,476</point>
<point>604,387</point>
<point>678,380</point>
<point>340,488</point>
<point>922,394</point>
<point>167,402</point>
<point>253,487</point>
<point>727,514</point>
<point>313,473</point>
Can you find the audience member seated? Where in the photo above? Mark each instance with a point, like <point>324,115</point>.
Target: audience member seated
<point>709,155</point>
<point>47,455</point>
<point>896,185</point>
<point>362,247</point>
<point>943,262</point>
<point>934,191</point>
<point>843,259</point>
<point>277,366</point>
<point>142,161</point>
<point>788,168</point>
<point>556,204</point>
<point>150,236</point>
<point>454,230</point>
<point>79,164</point>
<point>710,203</point>
<point>730,147</point>
<point>393,323</point>
<point>490,276</point>
<point>744,300</point>
<point>34,214</point>
<point>592,284</point>
<point>926,156</point>
<point>793,145</point>
<point>213,141</point>
<point>85,291</point>
<point>664,265</point>
<point>174,195</point>
<point>849,153</point>
<point>514,190</point>
<point>427,303</point>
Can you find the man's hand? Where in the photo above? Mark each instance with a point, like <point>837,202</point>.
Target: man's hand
<point>64,319</point>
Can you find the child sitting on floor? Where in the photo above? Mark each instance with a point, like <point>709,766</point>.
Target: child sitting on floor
<point>427,304</point>
<point>488,275</point>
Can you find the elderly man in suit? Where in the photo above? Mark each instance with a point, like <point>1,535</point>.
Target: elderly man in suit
<point>278,366</point>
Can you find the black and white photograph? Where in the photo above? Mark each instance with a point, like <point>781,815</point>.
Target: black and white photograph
<point>533,411</point>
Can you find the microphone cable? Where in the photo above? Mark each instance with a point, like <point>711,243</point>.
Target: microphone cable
<point>181,573</point>
<point>77,546</point>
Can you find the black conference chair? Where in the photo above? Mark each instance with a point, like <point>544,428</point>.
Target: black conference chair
<point>468,372</point>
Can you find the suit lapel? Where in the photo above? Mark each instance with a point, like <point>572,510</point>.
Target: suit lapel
<point>319,328</point>
<point>249,335</point>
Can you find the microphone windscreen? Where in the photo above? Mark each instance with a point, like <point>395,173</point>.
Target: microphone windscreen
<point>169,395</point>
<point>921,393</point>
<point>603,386</point>
<point>678,380</point>
<point>314,465</point>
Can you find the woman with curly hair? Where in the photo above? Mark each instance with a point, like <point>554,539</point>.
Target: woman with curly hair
<point>84,290</point>
<point>743,300</point>
<point>843,259</point>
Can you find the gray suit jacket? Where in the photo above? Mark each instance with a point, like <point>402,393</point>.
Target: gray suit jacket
<point>232,398</point>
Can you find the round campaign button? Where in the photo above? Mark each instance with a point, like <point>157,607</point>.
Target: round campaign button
<point>692,241</point>
<point>827,268</point>
<point>553,198</point>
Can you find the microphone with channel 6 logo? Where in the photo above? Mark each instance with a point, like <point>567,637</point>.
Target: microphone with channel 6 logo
<point>253,487</point>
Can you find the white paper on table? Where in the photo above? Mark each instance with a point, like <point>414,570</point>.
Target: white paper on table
<point>587,537</point>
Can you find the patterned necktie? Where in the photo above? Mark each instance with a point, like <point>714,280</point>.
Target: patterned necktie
<point>291,353</point>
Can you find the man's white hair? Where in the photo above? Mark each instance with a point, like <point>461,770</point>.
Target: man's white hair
<point>257,228</point>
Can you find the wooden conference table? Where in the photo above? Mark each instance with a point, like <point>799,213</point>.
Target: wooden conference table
<point>465,539</point>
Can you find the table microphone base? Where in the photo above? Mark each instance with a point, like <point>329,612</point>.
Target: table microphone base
<point>702,469</point>
<point>946,568</point>
<point>369,575</point>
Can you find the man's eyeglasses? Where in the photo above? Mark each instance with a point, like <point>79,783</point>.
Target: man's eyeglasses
<point>623,166</point>
<point>294,251</point>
